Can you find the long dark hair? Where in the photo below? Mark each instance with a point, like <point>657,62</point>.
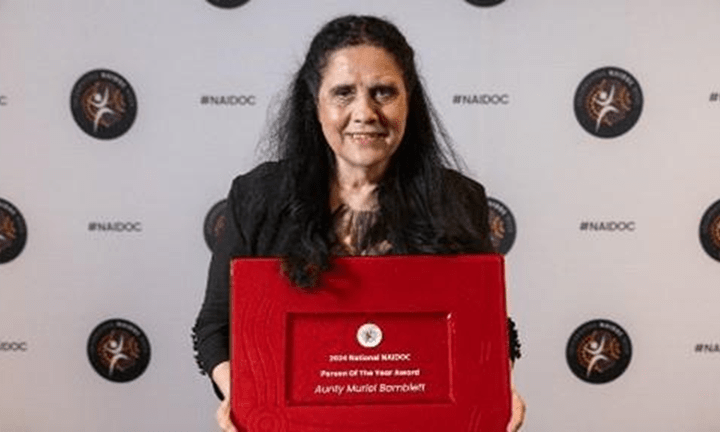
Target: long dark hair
<point>416,214</point>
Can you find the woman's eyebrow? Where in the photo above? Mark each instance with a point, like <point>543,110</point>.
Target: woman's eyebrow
<point>341,88</point>
<point>382,85</point>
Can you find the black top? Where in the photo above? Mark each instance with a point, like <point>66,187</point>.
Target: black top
<point>256,225</point>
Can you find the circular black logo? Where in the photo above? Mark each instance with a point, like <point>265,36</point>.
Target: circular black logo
<point>227,4</point>
<point>608,102</point>
<point>215,223</point>
<point>484,2</point>
<point>710,231</point>
<point>103,104</point>
<point>13,232</point>
<point>118,350</point>
<point>598,351</point>
<point>502,226</point>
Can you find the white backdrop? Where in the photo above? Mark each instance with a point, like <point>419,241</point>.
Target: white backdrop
<point>179,157</point>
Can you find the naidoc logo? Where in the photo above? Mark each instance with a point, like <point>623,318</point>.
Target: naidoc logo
<point>14,346</point>
<point>598,351</point>
<point>484,2</point>
<point>481,99</point>
<point>229,100</point>
<point>707,348</point>
<point>215,222</point>
<point>227,4</point>
<point>118,350</point>
<point>502,226</point>
<point>608,226</point>
<point>13,232</point>
<point>608,102</point>
<point>103,104</point>
<point>710,231</point>
<point>115,227</point>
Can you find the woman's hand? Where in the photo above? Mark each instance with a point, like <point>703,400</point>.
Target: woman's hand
<point>517,412</point>
<point>223,416</point>
<point>221,376</point>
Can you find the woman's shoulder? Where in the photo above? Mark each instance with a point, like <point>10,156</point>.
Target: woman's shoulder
<point>260,187</point>
<point>458,183</point>
<point>267,174</point>
<point>464,213</point>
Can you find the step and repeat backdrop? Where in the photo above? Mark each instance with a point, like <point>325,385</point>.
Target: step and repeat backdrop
<point>594,126</point>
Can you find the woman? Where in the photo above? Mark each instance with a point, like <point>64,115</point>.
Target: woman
<point>361,170</point>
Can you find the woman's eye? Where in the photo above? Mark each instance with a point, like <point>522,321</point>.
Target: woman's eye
<point>385,92</point>
<point>343,92</point>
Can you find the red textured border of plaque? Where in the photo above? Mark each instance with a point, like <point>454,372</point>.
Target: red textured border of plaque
<point>437,342</point>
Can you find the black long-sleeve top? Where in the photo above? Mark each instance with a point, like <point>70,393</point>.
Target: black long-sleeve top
<point>257,226</point>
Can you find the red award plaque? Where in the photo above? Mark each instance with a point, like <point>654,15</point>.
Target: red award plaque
<point>384,344</point>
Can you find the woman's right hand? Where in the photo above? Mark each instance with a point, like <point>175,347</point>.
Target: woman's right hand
<point>223,416</point>
<point>221,376</point>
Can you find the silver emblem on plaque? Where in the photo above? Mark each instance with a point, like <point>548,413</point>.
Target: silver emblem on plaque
<point>369,335</point>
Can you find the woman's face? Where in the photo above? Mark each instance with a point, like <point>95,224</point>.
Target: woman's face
<point>362,107</point>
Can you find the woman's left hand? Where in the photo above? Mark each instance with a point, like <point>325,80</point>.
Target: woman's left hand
<point>517,412</point>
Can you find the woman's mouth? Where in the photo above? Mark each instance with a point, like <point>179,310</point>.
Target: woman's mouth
<point>366,134</point>
<point>365,138</point>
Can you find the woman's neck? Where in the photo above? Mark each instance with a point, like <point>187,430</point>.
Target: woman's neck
<point>353,189</point>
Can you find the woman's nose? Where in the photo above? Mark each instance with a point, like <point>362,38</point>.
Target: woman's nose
<point>364,110</point>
